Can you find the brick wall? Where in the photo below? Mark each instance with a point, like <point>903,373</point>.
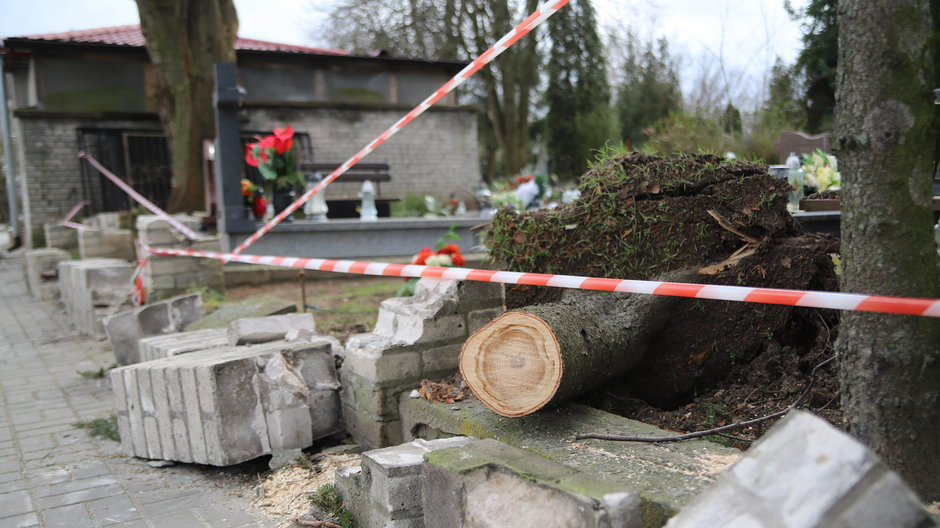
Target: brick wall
<point>47,148</point>
<point>436,154</point>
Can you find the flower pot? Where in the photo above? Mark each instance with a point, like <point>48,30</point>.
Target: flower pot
<point>282,199</point>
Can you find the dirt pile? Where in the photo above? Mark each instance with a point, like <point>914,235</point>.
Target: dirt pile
<point>642,216</point>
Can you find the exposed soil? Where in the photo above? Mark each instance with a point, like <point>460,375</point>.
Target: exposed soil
<point>715,362</point>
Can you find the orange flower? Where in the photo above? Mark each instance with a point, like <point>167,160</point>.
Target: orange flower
<point>422,257</point>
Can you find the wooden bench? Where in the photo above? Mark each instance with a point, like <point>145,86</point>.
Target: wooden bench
<point>360,172</point>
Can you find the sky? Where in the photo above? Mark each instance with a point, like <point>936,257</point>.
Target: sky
<point>736,39</point>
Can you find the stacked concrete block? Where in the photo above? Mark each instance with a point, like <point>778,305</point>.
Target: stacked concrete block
<point>226,406</point>
<point>102,243</point>
<point>60,236</point>
<point>805,473</point>
<point>168,276</point>
<point>108,221</point>
<point>263,329</point>
<point>93,289</point>
<point>169,345</point>
<point>385,490</point>
<point>125,329</point>
<point>464,482</point>
<point>415,338</point>
<point>41,267</point>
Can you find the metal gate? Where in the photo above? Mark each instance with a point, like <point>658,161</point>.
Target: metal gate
<point>139,157</point>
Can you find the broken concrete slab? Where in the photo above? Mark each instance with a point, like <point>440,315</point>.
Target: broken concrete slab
<point>125,330</point>
<point>804,473</point>
<point>464,482</point>
<point>229,405</point>
<point>41,267</point>
<point>490,484</point>
<point>385,490</point>
<point>250,330</point>
<point>168,345</point>
<point>665,476</point>
<point>93,289</point>
<point>231,312</point>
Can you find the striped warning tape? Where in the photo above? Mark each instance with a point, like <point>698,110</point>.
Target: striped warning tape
<point>138,198</point>
<point>809,299</point>
<point>544,11</point>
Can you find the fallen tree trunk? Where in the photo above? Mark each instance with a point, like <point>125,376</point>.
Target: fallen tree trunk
<point>529,358</point>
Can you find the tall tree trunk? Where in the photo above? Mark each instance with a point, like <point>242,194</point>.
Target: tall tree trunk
<point>184,39</point>
<point>886,130</point>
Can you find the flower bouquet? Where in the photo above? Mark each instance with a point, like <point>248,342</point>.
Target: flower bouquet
<point>445,255</point>
<point>276,159</point>
<point>253,198</point>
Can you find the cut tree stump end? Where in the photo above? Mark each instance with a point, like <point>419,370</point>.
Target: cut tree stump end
<point>513,364</point>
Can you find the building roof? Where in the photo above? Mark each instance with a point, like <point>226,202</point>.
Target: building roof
<point>132,36</point>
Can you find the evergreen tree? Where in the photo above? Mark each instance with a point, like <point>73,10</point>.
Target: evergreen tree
<point>817,61</point>
<point>649,89</point>
<point>783,108</point>
<point>579,119</point>
<point>731,120</point>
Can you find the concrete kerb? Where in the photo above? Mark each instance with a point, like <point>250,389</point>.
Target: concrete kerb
<point>665,476</point>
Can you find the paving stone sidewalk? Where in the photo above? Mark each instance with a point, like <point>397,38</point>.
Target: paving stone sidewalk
<point>53,474</point>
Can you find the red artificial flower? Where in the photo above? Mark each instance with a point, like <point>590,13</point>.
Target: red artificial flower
<point>458,259</point>
<point>422,256</point>
<point>449,249</point>
<point>250,154</point>
<point>259,206</point>
<point>284,139</point>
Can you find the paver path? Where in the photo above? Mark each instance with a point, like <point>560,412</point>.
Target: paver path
<point>53,474</point>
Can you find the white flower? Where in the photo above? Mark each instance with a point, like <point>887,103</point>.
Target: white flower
<point>439,260</point>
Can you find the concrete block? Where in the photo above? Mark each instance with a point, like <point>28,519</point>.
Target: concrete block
<point>157,232</point>
<point>92,290</point>
<point>60,236</point>
<point>806,473</point>
<point>228,405</point>
<point>440,359</point>
<point>386,489</point>
<point>41,267</point>
<point>263,329</point>
<point>476,319</point>
<point>368,431</point>
<point>126,329</point>
<point>474,295</point>
<point>106,243</point>
<point>380,364</point>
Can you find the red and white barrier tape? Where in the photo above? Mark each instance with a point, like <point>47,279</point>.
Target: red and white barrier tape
<point>67,221</point>
<point>544,11</point>
<point>73,225</point>
<point>810,299</point>
<point>138,198</point>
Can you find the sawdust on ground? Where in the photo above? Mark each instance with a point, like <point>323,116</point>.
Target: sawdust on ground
<point>285,493</point>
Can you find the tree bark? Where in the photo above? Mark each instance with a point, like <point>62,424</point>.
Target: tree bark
<point>540,355</point>
<point>184,39</point>
<point>886,126</point>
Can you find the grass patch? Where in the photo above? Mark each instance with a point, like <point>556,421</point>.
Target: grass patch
<point>211,299</point>
<point>104,427</point>
<point>96,374</point>
<point>328,499</point>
